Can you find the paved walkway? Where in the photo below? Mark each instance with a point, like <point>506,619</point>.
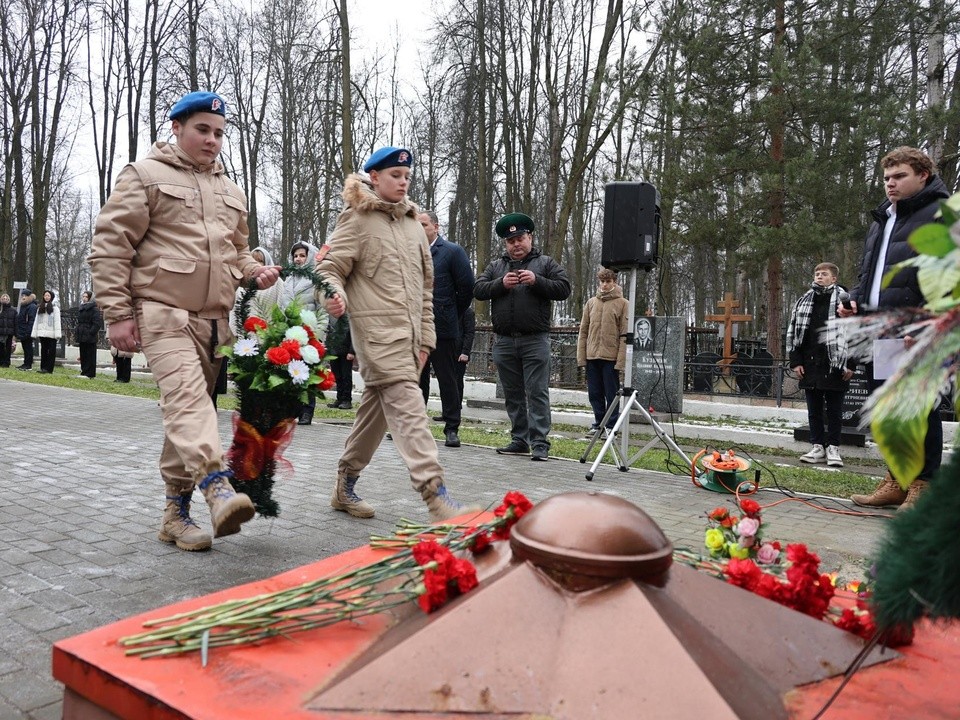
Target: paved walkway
<point>82,500</point>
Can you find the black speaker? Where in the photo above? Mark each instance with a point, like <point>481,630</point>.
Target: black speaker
<point>631,225</point>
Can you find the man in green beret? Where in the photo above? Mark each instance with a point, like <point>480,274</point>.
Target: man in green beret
<point>521,286</point>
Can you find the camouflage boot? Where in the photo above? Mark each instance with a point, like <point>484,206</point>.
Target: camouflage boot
<point>177,526</point>
<point>228,509</point>
<point>346,499</point>
<point>441,505</point>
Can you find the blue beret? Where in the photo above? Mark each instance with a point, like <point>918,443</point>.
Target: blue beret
<point>198,102</point>
<point>389,157</point>
<point>514,224</point>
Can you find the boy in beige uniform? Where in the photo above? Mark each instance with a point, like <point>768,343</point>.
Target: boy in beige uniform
<point>169,250</point>
<point>379,264</point>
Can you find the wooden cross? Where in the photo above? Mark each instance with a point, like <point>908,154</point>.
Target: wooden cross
<point>728,319</point>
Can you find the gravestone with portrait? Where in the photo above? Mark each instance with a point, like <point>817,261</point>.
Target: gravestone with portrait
<point>658,363</point>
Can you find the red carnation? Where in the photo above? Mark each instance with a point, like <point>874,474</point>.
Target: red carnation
<point>319,347</point>
<point>293,348</point>
<point>278,356</point>
<point>718,514</point>
<point>479,540</point>
<point>750,507</point>
<point>254,323</point>
<point>436,591</point>
<point>464,575</point>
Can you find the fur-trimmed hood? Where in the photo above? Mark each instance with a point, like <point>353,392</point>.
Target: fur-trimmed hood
<point>358,194</point>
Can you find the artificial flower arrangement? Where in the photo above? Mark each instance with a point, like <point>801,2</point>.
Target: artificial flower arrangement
<point>277,364</point>
<point>427,567</point>
<point>730,536</point>
<point>789,576</point>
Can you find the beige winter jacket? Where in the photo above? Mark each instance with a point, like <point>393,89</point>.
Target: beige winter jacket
<point>378,260</point>
<point>603,324</point>
<point>174,232</point>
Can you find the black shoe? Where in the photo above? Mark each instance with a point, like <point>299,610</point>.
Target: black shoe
<point>306,417</point>
<point>333,405</point>
<point>345,405</point>
<point>514,448</point>
<point>437,418</point>
<point>24,367</point>
<point>452,439</point>
<point>540,452</point>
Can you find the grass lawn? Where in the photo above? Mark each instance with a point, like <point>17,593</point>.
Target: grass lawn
<point>816,480</point>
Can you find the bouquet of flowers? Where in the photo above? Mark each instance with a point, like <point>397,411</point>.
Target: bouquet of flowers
<point>277,364</point>
<point>731,536</point>
<point>424,569</point>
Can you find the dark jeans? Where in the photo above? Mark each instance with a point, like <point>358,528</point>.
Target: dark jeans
<point>461,372</point>
<point>443,360</point>
<point>48,353</point>
<point>124,365</point>
<point>523,364</point>
<point>342,370</point>
<point>88,359</point>
<point>603,381</point>
<point>5,350</point>
<point>27,344</point>
<point>932,443</point>
<point>832,401</point>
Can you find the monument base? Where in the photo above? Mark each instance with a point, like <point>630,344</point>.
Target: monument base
<point>848,436</point>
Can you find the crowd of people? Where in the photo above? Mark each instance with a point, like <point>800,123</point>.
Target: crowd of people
<point>170,250</point>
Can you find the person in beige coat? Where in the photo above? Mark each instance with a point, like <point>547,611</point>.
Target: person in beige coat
<point>378,263</point>
<point>169,250</point>
<point>601,347</point>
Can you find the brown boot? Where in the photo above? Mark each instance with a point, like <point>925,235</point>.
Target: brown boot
<point>345,499</point>
<point>177,526</point>
<point>916,489</point>
<point>228,509</point>
<point>441,505</point>
<point>887,494</point>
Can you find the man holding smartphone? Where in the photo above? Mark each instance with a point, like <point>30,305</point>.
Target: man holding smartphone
<point>521,286</point>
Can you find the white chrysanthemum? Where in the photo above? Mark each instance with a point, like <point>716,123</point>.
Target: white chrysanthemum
<point>299,372</point>
<point>310,355</point>
<point>297,333</point>
<point>246,347</point>
<point>309,318</point>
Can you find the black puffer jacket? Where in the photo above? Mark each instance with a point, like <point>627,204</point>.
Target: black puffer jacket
<point>526,309</point>
<point>452,287</point>
<point>903,290</point>
<point>8,320</point>
<point>89,322</point>
<point>25,317</point>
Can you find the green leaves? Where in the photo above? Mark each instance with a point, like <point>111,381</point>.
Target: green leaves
<point>901,443</point>
<point>932,239</point>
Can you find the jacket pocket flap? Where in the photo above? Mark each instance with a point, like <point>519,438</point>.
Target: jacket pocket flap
<point>233,202</point>
<point>387,335</point>
<point>236,272</point>
<point>178,265</point>
<point>178,191</point>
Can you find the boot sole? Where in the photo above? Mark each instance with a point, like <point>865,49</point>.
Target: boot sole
<point>813,462</point>
<point>867,504</point>
<point>351,510</point>
<point>190,547</point>
<point>229,523</point>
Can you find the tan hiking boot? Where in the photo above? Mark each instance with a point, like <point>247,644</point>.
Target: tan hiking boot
<point>441,505</point>
<point>887,494</point>
<point>345,499</point>
<point>228,509</point>
<point>178,527</point>
<point>916,489</point>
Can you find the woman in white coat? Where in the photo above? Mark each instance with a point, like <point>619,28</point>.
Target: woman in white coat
<point>46,328</point>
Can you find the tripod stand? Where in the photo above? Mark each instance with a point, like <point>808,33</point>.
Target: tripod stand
<point>627,402</point>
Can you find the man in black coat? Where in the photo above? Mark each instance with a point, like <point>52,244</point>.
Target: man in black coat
<point>521,286</point>
<point>452,294</point>
<point>25,317</point>
<point>914,192</point>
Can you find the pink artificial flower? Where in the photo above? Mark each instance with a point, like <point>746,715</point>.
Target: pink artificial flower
<point>748,527</point>
<point>767,554</point>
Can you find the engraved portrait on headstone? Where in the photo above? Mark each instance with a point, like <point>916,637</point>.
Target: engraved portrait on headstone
<point>658,363</point>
